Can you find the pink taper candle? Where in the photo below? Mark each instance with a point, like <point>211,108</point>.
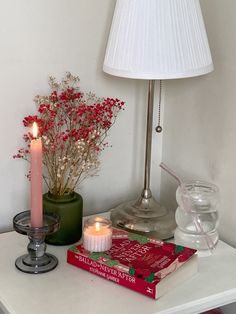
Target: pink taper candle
<point>36,179</point>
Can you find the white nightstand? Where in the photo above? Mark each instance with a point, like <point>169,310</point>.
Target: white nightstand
<point>70,290</point>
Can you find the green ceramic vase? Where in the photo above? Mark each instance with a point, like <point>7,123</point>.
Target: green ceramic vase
<point>69,207</point>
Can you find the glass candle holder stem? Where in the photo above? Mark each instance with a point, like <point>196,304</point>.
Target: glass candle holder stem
<point>37,260</point>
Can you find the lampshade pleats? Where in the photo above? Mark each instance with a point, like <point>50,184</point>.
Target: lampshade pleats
<point>157,39</point>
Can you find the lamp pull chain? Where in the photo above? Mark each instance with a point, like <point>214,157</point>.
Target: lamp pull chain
<point>159,128</point>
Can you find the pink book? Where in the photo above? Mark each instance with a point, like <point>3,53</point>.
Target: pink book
<point>148,266</point>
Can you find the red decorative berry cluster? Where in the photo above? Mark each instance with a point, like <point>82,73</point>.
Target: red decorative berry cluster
<point>73,127</point>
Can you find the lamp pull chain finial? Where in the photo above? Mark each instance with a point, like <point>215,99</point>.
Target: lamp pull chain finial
<point>159,128</point>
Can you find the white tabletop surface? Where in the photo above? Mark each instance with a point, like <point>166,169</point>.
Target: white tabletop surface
<point>70,290</point>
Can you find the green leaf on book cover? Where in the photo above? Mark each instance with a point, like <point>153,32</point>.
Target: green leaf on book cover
<point>132,271</point>
<point>179,249</point>
<point>111,263</point>
<point>74,249</point>
<point>141,239</point>
<point>150,278</point>
<point>96,256</point>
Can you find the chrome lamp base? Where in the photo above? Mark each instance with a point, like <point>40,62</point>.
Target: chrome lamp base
<point>145,216</point>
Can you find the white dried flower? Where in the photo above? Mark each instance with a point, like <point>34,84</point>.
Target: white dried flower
<point>68,157</point>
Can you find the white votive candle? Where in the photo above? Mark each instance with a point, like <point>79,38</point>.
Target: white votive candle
<point>97,234</point>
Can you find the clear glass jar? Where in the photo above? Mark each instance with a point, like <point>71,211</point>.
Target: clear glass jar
<point>197,215</point>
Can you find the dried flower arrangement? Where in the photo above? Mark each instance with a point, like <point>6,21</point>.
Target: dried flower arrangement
<point>73,126</point>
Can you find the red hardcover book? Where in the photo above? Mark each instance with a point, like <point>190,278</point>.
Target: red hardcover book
<point>148,266</point>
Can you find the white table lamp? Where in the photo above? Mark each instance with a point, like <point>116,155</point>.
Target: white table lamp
<point>154,40</point>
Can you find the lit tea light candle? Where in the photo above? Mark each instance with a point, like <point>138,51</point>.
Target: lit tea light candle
<point>97,234</point>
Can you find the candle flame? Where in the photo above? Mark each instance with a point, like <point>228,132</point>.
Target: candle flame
<point>35,130</point>
<point>97,226</point>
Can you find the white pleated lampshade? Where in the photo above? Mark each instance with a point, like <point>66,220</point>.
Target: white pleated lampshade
<point>157,39</point>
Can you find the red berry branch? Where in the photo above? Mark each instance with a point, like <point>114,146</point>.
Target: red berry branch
<point>73,127</point>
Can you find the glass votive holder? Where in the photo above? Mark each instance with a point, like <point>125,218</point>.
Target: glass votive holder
<point>197,215</point>
<point>97,234</point>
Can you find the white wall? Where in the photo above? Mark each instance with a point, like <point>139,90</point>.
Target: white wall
<point>200,114</point>
<point>50,37</point>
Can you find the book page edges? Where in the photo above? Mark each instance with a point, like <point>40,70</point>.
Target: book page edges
<point>173,280</point>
